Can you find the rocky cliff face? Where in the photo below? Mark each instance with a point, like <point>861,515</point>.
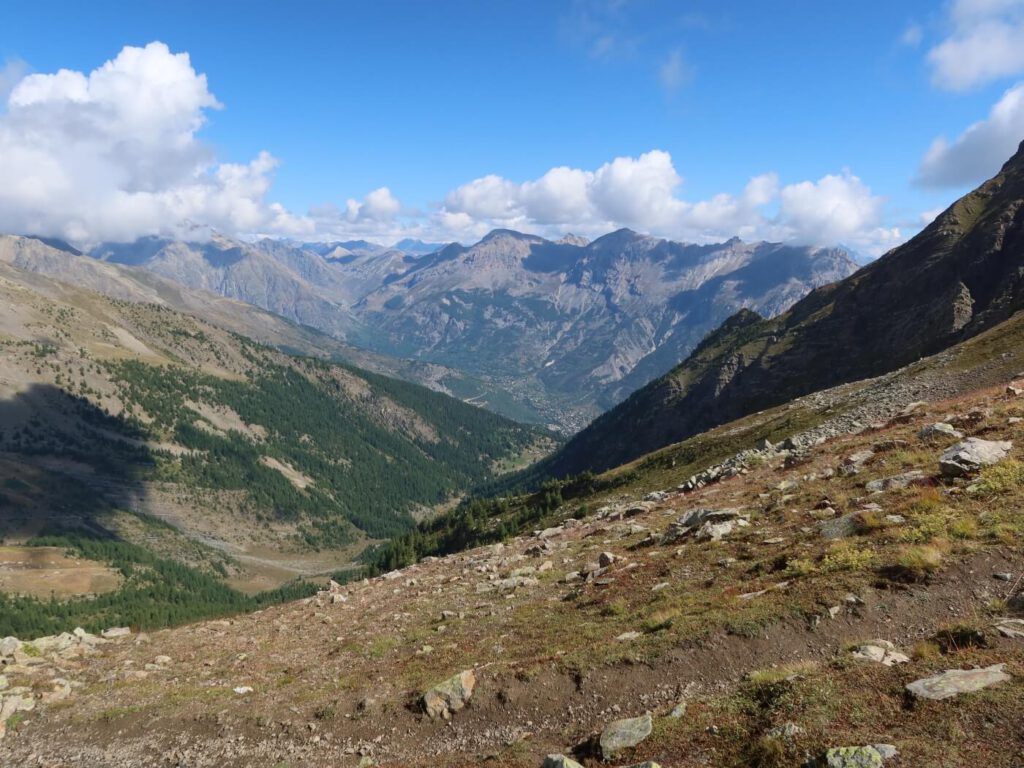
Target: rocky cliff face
<point>963,274</point>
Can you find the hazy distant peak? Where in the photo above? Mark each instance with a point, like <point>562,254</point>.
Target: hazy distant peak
<point>570,239</point>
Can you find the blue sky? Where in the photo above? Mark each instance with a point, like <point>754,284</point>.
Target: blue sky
<point>424,98</point>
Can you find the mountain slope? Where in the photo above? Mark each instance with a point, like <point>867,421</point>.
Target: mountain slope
<point>48,259</point>
<point>109,405</point>
<point>290,282</point>
<point>748,644</point>
<point>962,274</point>
<point>572,327</point>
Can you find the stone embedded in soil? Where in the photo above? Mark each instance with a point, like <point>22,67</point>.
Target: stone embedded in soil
<point>972,454</point>
<point>940,431</point>
<point>1011,628</point>
<point>450,696</point>
<point>853,757</point>
<point>896,482</point>
<point>623,734</point>
<point>881,652</point>
<point>115,632</point>
<point>559,761</point>
<point>957,681</point>
<point>840,527</point>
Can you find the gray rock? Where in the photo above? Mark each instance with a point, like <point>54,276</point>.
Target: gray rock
<point>880,651</point>
<point>896,482</point>
<point>707,524</point>
<point>786,731</point>
<point>623,734</point>
<point>956,681</point>
<point>114,632</point>
<point>559,761</point>
<point>1011,628</point>
<point>887,751</point>
<point>939,431</point>
<point>972,454</point>
<point>450,696</point>
<point>839,527</point>
<point>9,645</point>
<point>678,711</point>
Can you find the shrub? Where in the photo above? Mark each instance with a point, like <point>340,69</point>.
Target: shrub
<point>1005,477</point>
<point>844,556</point>
<point>916,564</point>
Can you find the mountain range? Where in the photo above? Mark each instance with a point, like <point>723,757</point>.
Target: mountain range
<point>555,331</point>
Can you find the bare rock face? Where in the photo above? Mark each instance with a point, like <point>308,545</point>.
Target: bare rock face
<point>970,455</point>
<point>449,697</point>
<point>956,681</point>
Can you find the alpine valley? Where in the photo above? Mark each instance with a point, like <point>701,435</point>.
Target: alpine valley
<point>541,331</point>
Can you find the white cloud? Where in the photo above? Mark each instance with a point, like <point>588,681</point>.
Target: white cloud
<point>641,193</point>
<point>113,154</point>
<point>674,72</point>
<point>979,151</point>
<point>986,42</point>
<point>835,209</point>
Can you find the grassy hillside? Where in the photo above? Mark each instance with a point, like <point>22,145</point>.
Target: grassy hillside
<point>133,423</point>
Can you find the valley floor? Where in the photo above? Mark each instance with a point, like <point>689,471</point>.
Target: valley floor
<point>617,611</point>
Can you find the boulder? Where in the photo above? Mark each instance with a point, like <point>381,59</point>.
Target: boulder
<point>114,632</point>
<point>450,696</point>
<point>972,454</point>
<point>9,645</point>
<point>624,734</point>
<point>939,431</point>
<point>956,681</point>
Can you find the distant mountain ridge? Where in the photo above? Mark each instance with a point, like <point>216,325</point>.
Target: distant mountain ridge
<point>961,275</point>
<point>554,331</point>
<point>581,324</point>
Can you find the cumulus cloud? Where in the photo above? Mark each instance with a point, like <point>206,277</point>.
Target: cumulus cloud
<point>986,42</point>
<point>113,154</point>
<point>642,193</point>
<point>979,151</point>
